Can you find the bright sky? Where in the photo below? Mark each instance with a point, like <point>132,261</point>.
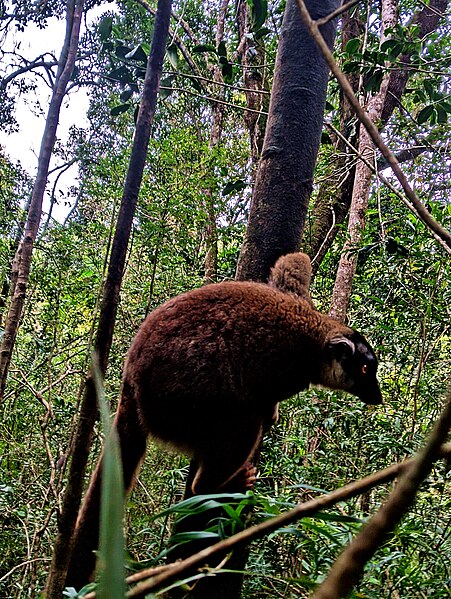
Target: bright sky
<point>24,145</point>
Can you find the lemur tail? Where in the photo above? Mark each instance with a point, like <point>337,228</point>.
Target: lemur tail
<point>132,438</point>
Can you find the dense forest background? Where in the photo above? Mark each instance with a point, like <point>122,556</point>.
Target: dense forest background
<point>188,229</point>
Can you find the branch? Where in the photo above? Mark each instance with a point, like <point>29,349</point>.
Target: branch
<point>404,155</point>
<point>37,63</point>
<point>213,100</point>
<point>348,568</point>
<point>172,572</point>
<point>412,202</point>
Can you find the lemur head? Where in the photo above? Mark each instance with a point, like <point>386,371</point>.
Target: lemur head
<point>350,364</point>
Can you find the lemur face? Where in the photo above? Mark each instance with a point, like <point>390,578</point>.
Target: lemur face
<point>351,365</point>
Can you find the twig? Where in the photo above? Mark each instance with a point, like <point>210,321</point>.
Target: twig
<point>173,571</point>
<point>25,563</point>
<point>336,13</point>
<point>211,99</point>
<point>413,202</point>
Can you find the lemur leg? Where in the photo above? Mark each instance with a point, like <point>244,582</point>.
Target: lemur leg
<point>226,464</point>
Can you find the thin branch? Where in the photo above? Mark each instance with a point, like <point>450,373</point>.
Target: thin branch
<point>219,83</point>
<point>337,12</point>
<point>375,171</point>
<point>215,100</point>
<point>303,510</point>
<point>415,205</point>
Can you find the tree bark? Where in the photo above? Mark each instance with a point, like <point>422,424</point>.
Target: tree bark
<point>82,564</point>
<point>22,260</point>
<point>252,52</point>
<point>334,195</point>
<point>285,174</point>
<point>362,184</point>
<point>329,211</point>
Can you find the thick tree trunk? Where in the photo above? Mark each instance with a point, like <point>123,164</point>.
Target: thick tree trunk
<point>362,184</point>
<point>285,174</point>
<point>82,565</point>
<point>22,260</point>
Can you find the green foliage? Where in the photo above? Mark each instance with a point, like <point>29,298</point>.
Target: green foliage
<point>401,302</point>
<point>110,563</point>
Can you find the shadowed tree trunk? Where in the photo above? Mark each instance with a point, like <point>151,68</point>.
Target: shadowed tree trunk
<point>22,261</point>
<point>362,184</point>
<point>285,174</point>
<point>253,56</point>
<point>83,560</point>
<point>211,232</point>
<point>334,195</point>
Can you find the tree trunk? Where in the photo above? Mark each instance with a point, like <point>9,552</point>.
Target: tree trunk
<point>82,563</point>
<point>334,197</point>
<point>252,52</point>
<point>285,174</point>
<point>22,260</point>
<point>335,193</point>
<point>362,184</point>
<point>211,231</point>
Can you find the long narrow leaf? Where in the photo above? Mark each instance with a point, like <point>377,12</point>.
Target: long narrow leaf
<point>110,562</point>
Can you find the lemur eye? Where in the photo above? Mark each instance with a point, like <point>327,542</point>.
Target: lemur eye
<point>364,368</point>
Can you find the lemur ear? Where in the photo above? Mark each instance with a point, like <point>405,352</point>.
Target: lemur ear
<point>340,348</point>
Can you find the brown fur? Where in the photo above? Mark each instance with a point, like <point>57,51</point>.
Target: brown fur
<point>206,371</point>
<point>292,274</point>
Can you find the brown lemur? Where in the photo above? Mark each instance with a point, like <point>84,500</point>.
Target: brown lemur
<point>206,371</point>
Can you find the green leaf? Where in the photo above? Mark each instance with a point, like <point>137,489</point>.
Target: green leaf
<point>222,50</point>
<point>373,82</point>
<point>261,33</point>
<point>195,83</point>
<point>227,72</point>
<point>325,138</point>
<point>165,93</point>
<point>442,115</point>
<point>119,109</point>
<point>110,562</point>
<point>429,88</point>
<point>232,186</point>
<point>121,74</point>
<point>204,48</point>
<point>172,52</point>
<point>126,95</point>
<point>259,11</point>
<point>121,50</point>
<point>105,27</point>
<point>137,54</point>
<point>352,46</point>
<point>425,114</point>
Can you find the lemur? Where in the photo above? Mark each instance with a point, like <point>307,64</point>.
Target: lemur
<point>207,370</point>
